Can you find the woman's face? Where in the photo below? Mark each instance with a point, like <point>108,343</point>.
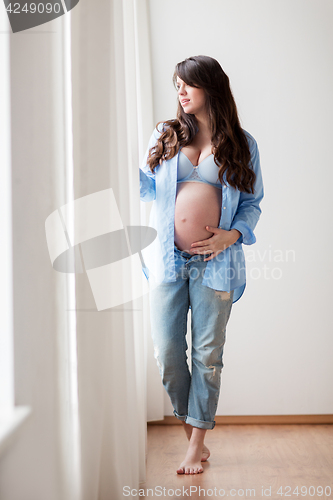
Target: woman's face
<point>192,99</point>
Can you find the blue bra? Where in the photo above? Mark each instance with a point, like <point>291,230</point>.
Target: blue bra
<point>206,171</point>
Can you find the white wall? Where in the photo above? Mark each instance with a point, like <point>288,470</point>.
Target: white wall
<point>278,56</point>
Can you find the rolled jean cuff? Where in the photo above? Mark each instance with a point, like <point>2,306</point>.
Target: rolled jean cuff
<point>199,423</point>
<point>181,417</point>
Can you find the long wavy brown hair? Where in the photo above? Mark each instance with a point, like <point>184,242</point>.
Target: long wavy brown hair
<point>229,143</point>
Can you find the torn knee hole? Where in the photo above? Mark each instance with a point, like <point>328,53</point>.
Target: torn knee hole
<point>212,367</point>
<point>222,294</point>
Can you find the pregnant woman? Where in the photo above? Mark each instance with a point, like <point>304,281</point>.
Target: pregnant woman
<point>203,172</point>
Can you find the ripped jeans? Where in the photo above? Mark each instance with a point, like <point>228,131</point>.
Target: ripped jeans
<point>194,395</point>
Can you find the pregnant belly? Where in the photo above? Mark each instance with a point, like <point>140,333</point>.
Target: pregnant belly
<point>197,205</point>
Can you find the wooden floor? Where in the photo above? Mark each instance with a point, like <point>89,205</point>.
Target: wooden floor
<point>267,459</point>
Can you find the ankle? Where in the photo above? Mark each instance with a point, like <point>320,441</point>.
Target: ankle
<point>198,436</point>
<point>188,430</point>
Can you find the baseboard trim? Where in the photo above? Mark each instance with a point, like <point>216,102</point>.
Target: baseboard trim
<point>256,419</point>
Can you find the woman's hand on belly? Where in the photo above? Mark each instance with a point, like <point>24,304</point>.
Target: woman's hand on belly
<point>220,240</point>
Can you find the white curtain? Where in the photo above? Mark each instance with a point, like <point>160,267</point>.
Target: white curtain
<point>81,116</point>
<point>112,113</point>
<point>44,452</point>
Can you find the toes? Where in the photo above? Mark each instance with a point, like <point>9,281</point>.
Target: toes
<point>189,470</point>
<point>197,470</point>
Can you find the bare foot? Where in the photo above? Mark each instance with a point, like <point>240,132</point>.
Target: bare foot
<point>192,462</point>
<point>205,451</point>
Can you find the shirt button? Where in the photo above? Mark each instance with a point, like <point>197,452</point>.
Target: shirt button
<point>224,208</point>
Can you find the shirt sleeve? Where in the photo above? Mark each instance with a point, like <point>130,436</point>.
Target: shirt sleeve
<point>248,210</point>
<point>147,177</point>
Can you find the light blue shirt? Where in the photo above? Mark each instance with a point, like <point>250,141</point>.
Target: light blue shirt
<point>239,211</point>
